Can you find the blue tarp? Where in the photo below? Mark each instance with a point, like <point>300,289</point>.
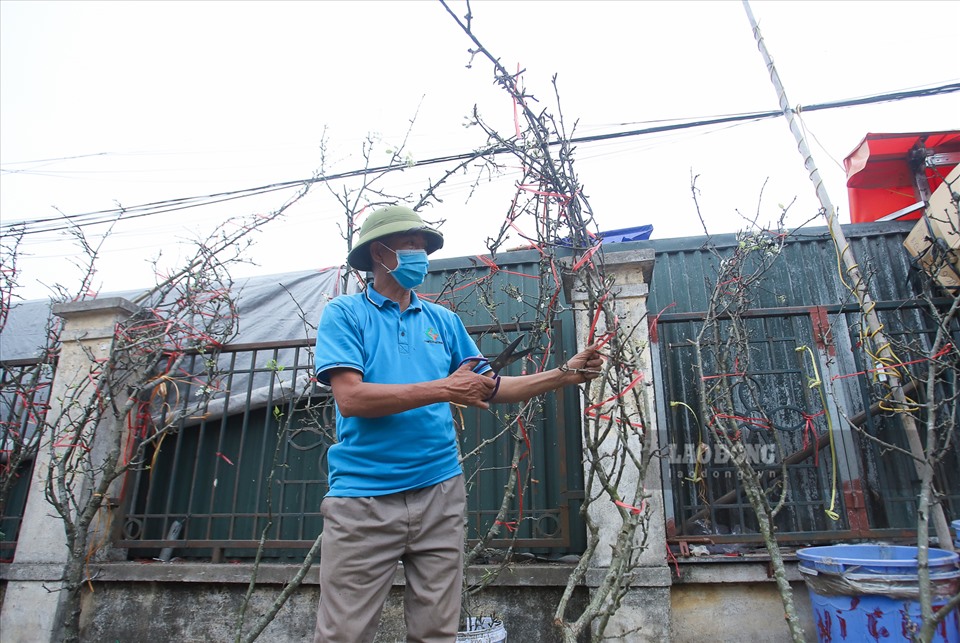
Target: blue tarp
<point>620,235</point>
<point>637,233</point>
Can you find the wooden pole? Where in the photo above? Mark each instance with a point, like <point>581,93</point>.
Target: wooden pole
<point>880,343</point>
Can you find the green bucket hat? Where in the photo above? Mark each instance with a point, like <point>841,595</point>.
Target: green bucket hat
<point>387,221</point>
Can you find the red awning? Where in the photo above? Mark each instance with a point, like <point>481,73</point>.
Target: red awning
<point>881,172</point>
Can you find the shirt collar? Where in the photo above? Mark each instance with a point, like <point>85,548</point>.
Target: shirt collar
<point>379,300</point>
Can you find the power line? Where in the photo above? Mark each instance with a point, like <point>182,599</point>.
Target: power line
<point>65,222</point>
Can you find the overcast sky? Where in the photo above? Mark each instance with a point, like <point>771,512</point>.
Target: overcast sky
<point>106,103</point>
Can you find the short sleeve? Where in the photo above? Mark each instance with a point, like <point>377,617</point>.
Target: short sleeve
<point>339,340</point>
<point>463,345</point>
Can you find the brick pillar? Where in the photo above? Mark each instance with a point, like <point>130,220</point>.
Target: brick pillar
<point>645,612</point>
<point>31,605</point>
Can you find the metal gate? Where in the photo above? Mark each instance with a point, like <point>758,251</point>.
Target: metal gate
<point>808,388</point>
<point>255,459</point>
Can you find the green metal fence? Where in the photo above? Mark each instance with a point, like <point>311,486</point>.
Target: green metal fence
<point>24,396</point>
<point>252,463</point>
<point>870,490</point>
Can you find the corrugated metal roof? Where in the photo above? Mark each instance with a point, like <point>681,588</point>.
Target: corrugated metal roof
<point>808,273</point>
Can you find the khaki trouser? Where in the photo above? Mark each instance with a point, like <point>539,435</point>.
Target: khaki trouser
<point>363,538</point>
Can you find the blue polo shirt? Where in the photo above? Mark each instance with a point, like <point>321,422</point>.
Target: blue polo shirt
<point>367,332</point>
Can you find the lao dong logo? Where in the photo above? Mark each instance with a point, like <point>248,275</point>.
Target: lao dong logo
<point>704,454</point>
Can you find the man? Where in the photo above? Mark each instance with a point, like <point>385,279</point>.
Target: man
<point>395,363</point>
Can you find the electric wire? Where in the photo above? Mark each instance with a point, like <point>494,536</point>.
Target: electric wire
<point>72,221</point>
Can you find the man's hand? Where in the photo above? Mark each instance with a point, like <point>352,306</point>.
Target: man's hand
<point>467,388</point>
<point>584,366</point>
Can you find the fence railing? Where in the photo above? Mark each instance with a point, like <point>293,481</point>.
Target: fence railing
<point>250,464</point>
<point>842,484</point>
<point>24,395</point>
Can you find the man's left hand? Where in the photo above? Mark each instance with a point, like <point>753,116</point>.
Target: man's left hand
<point>585,365</point>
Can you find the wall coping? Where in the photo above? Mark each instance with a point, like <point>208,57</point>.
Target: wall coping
<point>536,575</point>
<point>88,306</point>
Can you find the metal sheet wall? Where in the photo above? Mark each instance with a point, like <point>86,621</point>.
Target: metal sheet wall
<point>497,299</point>
<point>875,488</point>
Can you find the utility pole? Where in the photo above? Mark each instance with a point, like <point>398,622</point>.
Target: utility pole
<point>880,343</point>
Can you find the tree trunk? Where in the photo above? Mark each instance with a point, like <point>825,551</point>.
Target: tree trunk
<point>762,511</point>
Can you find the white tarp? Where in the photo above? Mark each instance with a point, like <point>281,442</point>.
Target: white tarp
<point>271,308</point>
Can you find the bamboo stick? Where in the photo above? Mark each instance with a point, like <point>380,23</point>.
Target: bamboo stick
<point>846,253</point>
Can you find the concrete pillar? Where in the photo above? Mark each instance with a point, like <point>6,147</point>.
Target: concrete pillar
<point>30,607</point>
<point>645,611</point>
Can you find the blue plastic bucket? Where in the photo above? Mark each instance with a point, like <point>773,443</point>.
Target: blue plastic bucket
<point>956,533</point>
<point>871,592</point>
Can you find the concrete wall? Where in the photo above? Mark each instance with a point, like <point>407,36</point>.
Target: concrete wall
<point>734,601</point>
<point>194,602</point>
<point>203,612</point>
<point>741,612</point>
